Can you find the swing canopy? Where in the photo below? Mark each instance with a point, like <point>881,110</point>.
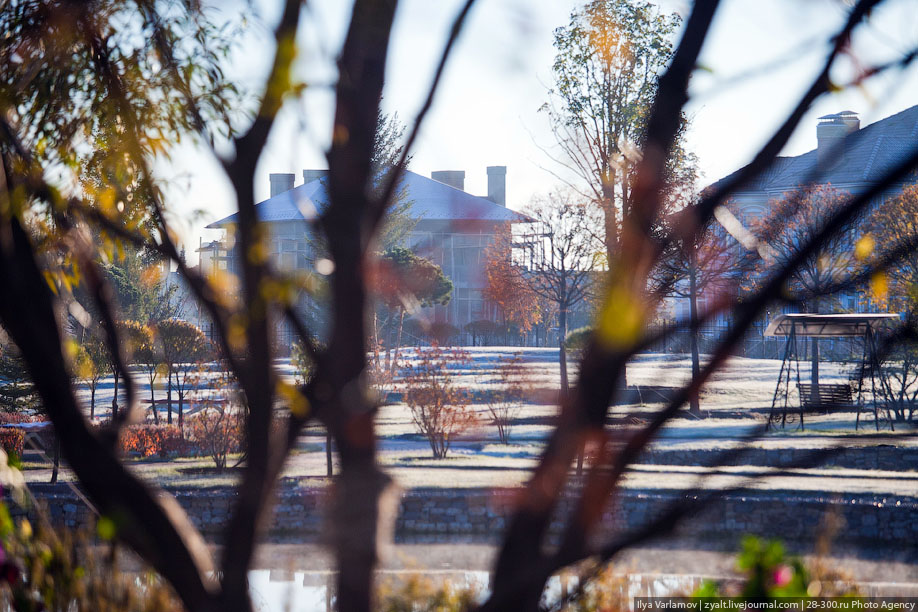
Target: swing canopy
<point>830,325</point>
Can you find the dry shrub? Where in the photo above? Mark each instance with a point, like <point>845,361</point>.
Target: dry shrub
<point>505,403</point>
<point>218,431</point>
<point>825,577</point>
<point>419,593</point>
<point>440,410</point>
<point>47,568</point>
<point>381,374</point>
<point>12,418</point>
<point>12,440</point>
<point>607,592</point>
<point>149,440</point>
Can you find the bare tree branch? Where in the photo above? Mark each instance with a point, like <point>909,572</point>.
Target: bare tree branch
<point>257,377</point>
<point>28,315</point>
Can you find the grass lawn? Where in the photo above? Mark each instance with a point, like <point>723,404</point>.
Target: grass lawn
<point>736,403</point>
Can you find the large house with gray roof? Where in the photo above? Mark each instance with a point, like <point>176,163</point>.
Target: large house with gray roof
<point>849,157</point>
<point>452,229</point>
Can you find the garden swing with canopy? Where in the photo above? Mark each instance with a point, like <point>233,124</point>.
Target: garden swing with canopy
<point>829,395</point>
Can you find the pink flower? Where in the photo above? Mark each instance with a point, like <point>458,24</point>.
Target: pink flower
<point>782,575</point>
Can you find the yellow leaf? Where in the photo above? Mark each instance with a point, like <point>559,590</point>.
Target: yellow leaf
<point>879,286</point>
<point>151,275</point>
<point>236,332</point>
<point>258,253</point>
<point>106,528</point>
<point>298,403</point>
<point>864,247</point>
<point>107,199</point>
<point>620,319</point>
<point>52,282</point>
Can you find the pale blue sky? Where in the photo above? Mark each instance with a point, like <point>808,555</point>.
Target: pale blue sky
<point>486,112</point>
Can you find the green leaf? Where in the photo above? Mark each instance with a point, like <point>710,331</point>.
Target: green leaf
<point>106,528</point>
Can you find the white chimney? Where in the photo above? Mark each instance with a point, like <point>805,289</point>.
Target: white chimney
<point>281,183</point>
<point>312,175</point>
<point>453,178</point>
<point>831,132</point>
<point>497,184</point>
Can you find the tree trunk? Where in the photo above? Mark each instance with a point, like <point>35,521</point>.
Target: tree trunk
<point>562,353</point>
<point>389,343</point>
<point>376,340</point>
<point>814,364</point>
<point>694,404</point>
<point>398,340</point>
<point>814,370</point>
<point>57,459</point>
<point>329,466</point>
<point>115,397</point>
<point>181,406</point>
<point>610,218</point>
<point>153,401</point>
<point>169,398</point>
<point>92,402</point>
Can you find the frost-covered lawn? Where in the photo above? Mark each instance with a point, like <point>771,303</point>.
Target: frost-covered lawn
<point>736,402</point>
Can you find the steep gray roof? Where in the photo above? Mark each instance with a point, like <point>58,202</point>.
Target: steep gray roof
<point>870,153</point>
<point>430,200</point>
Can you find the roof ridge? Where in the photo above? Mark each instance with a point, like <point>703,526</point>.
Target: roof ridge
<point>430,198</point>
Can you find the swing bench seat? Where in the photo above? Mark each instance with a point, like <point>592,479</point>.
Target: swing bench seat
<point>828,396</point>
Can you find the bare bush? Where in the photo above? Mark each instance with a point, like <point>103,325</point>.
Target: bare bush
<point>219,428</point>
<point>440,410</point>
<point>505,402</point>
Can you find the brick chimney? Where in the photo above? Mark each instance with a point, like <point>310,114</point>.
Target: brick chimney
<point>831,132</point>
<point>497,184</point>
<point>281,183</point>
<point>453,178</point>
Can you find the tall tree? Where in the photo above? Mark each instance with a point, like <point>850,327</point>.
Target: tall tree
<point>141,289</point>
<point>793,221</point>
<point>149,355</point>
<point>16,389</point>
<point>608,59</point>
<point>134,336</point>
<point>705,263</point>
<point>183,346</point>
<point>92,364</point>
<point>561,268</point>
<point>397,222</point>
<point>507,285</point>
<point>890,227</point>
<point>388,147</point>
<point>404,282</point>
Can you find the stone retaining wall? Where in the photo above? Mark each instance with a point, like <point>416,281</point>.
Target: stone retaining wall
<point>877,457</point>
<point>481,514</point>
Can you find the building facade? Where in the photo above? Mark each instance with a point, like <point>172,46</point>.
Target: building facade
<point>849,158</point>
<point>451,227</point>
